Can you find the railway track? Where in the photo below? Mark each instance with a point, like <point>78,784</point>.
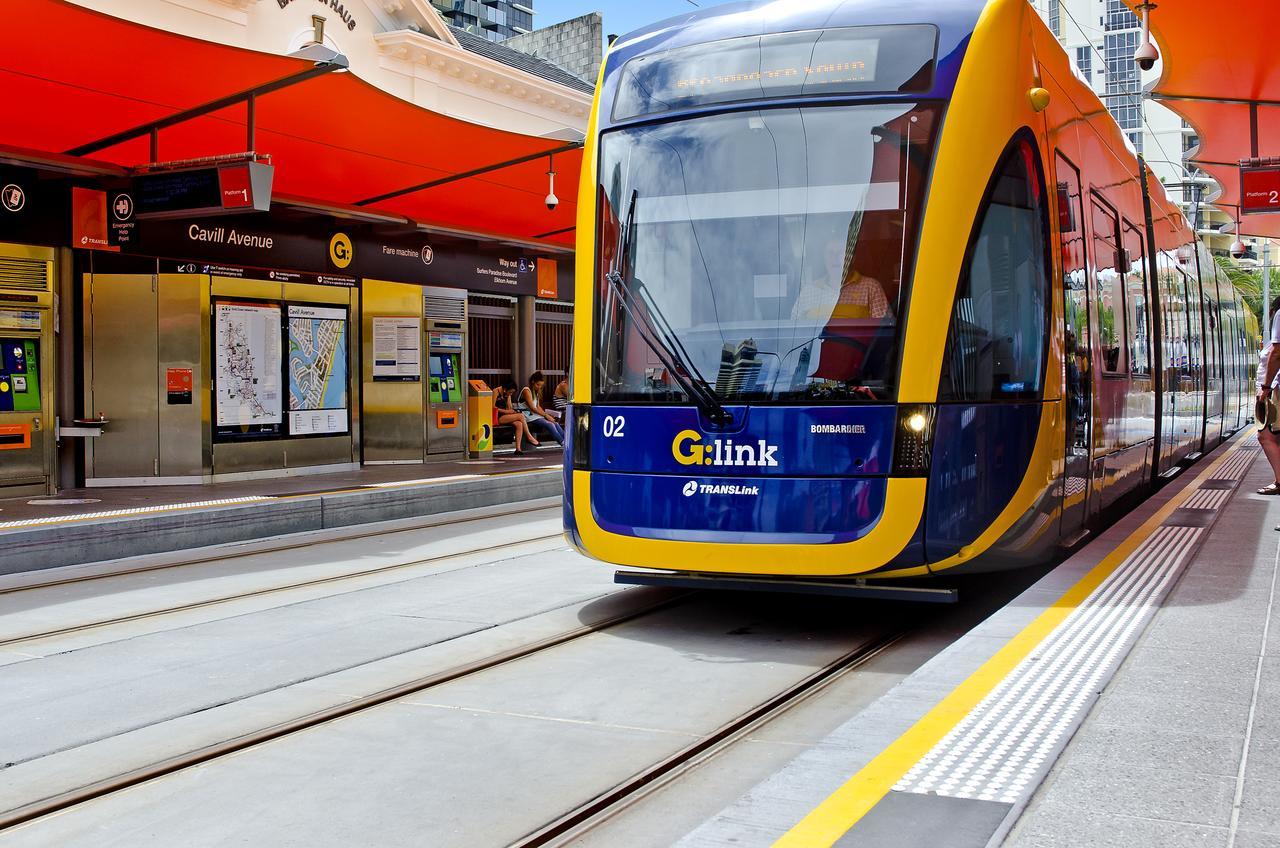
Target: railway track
<point>71,798</point>
<point>581,820</point>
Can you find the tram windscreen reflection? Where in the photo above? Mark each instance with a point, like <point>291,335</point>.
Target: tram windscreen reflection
<point>772,243</point>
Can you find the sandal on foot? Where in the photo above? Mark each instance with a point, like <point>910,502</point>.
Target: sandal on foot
<point>1273,489</point>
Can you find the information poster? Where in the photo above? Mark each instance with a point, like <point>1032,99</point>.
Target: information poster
<point>317,371</point>
<point>247,369</point>
<point>397,350</point>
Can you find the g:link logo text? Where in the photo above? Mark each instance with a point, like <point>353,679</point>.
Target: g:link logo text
<point>689,450</point>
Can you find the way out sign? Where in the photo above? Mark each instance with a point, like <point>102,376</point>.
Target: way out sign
<point>1259,189</point>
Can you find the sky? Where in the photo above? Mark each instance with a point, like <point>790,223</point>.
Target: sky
<point>620,16</point>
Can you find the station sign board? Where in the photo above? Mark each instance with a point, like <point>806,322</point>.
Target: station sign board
<point>220,189</point>
<point>1259,189</point>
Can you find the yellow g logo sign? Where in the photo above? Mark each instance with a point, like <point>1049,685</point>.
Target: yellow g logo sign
<point>686,449</point>
<point>340,250</point>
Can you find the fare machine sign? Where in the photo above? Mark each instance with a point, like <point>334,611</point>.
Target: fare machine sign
<point>1259,189</point>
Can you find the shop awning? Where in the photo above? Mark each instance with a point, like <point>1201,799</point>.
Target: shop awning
<point>1219,74</point>
<point>72,77</point>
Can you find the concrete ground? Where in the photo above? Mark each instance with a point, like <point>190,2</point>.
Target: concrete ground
<point>143,666</point>
<point>1183,748</point>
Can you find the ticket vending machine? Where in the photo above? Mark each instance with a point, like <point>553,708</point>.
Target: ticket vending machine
<point>27,424</point>
<point>446,387</point>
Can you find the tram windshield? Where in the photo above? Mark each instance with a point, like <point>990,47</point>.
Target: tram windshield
<point>762,255</point>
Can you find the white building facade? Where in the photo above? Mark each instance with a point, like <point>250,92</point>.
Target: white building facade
<point>1100,37</point>
<point>401,46</point>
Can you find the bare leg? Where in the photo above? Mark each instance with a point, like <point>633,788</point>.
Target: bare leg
<point>1271,447</point>
<point>519,427</point>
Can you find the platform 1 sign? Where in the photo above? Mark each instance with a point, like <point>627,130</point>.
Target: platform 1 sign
<point>1259,189</point>
<point>238,187</point>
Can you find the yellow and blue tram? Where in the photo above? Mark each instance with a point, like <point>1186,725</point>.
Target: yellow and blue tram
<point>877,290</point>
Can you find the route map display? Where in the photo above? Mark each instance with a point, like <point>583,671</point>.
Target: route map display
<point>317,370</point>
<point>247,369</point>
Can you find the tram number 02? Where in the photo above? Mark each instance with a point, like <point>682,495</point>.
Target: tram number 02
<point>613,426</point>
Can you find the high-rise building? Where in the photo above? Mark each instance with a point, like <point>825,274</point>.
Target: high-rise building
<point>1100,37</point>
<point>739,369</point>
<point>491,19</point>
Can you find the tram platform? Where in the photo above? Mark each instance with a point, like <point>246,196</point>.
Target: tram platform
<point>1129,698</point>
<point>94,524</point>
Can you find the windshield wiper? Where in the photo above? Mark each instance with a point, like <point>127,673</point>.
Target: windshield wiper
<point>657,332</point>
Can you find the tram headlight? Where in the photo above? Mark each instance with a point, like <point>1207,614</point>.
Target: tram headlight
<point>581,437</point>
<point>913,441</point>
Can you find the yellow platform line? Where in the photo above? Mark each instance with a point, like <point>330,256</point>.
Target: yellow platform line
<point>841,810</point>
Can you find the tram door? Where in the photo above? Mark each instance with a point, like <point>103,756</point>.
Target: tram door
<point>1077,359</point>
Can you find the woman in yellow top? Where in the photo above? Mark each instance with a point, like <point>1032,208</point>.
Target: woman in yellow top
<point>839,294</point>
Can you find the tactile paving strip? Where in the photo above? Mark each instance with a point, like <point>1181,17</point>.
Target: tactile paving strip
<point>1001,749</point>
<point>996,752</point>
<point>139,510</point>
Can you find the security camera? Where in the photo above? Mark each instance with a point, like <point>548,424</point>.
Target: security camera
<point>1239,250</point>
<point>1146,55</point>
<point>552,201</point>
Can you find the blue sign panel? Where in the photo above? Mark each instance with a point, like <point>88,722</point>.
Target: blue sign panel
<point>756,510</point>
<point>834,441</point>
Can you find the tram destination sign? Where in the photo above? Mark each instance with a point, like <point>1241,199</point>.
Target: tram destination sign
<point>238,187</point>
<point>1259,189</point>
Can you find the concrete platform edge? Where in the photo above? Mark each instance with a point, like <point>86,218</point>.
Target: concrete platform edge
<point>75,543</point>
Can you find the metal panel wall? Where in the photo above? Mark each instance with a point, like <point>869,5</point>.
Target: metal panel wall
<point>121,351</point>
<point>183,338</point>
<point>394,421</point>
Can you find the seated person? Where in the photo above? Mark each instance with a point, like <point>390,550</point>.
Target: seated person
<point>505,413</point>
<point>853,308</point>
<point>530,405</point>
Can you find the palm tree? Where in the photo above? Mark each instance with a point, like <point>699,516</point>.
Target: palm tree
<point>1248,283</point>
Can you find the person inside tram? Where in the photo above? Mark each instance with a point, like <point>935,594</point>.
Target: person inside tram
<point>1268,381</point>
<point>505,413</point>
<point>530,405</point>
<point>853,307</point>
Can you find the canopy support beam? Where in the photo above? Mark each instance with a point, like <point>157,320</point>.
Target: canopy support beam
<point>466,175</point>
<point>153,128</point>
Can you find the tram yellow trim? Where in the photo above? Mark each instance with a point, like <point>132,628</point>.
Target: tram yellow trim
<point>904,504</point>
<point>585,267</point>
<point>841,810</point>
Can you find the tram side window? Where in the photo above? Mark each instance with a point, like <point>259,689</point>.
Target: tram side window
<point>1110,289</point>
<point>996,344</point>
<point>1139,322</point>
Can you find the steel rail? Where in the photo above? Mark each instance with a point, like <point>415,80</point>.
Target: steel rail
<point>162,768</point>
<point>574,824</point>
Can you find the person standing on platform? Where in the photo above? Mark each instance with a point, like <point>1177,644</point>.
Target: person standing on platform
<point>1268,372</point>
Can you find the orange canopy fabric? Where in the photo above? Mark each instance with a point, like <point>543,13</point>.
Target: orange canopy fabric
<point>71,76</point>
<point>1217,61</point>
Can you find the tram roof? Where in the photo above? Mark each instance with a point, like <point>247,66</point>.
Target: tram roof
<point>955,20</point>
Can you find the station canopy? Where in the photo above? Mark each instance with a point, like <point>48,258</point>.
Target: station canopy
<point>1220,76</point>
<point>73,78</point>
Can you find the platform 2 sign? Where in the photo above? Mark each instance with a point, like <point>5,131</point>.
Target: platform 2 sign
<point>1259,189</point>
